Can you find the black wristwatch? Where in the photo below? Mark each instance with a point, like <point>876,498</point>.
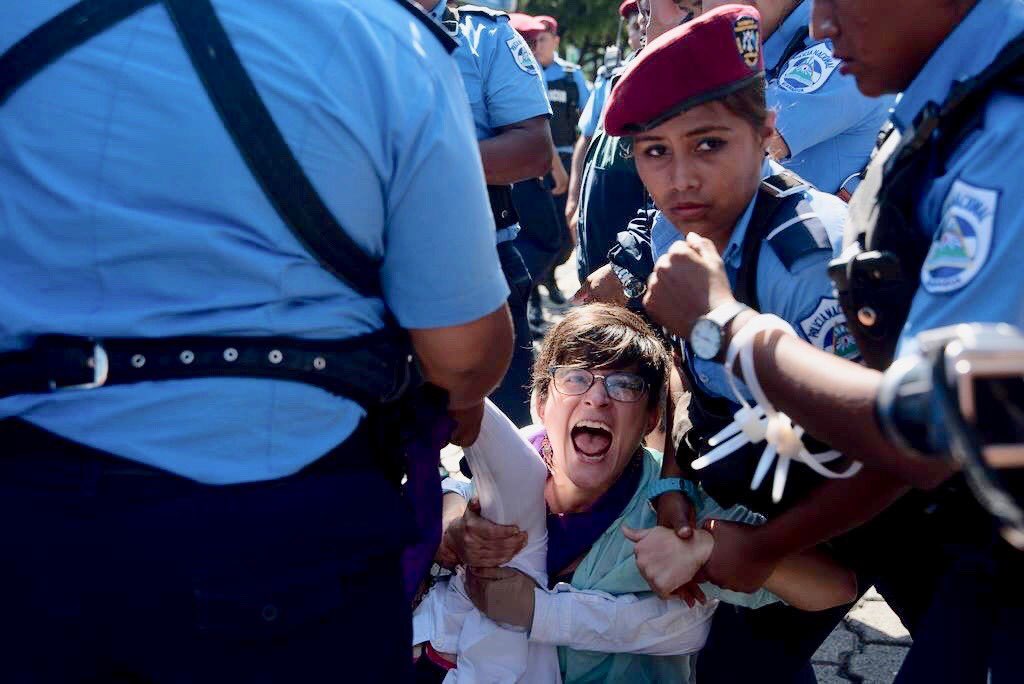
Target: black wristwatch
<point>708,335</point>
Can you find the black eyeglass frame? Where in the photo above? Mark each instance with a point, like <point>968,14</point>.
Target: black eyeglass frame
<point>644,389</point>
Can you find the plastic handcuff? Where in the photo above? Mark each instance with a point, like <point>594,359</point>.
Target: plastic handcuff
<point>760,422</point>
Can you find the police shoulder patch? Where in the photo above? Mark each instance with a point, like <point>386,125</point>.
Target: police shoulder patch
<point>826,329</point>
<point>961,244</point>
<point>808,71</point>
<point>521,54</point>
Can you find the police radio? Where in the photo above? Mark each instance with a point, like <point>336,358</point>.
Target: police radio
<point>961,398</point>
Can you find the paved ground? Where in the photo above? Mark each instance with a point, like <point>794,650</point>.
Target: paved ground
<point>870,645</point>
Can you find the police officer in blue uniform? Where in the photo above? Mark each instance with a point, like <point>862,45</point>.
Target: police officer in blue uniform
<point>568,92</point>
<point>777,241</point>
<point>510,108</point>
<point>827,128</point>
<point>217,221</point>
<point>932,242</point>
<point>604,176</point>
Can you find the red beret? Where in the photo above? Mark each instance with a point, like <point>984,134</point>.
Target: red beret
<point>628,7</point>
<point>549,22</point>
<point>702,60</point>
<point>526,24</point>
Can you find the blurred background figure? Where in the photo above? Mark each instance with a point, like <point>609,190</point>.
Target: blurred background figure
<point>568,93</point>
<point>506,94</point>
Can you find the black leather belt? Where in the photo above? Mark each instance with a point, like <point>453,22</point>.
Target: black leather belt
<point>502,208</point>
<point>360,368</point>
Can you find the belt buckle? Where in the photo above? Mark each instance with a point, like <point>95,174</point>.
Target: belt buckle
<point>100,364</point>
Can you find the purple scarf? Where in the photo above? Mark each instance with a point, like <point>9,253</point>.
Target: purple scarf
<point>570,535</point>
<point>432,428</point>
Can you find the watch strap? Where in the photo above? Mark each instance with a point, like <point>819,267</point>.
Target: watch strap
<point>663,485</point>
<point>722,314</point>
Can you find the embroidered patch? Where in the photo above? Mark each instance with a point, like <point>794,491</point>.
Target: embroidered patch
<point>809,70</point>
<point>748,39</point>
<point>558,96</point>
<point>962,243</point>
<point>522,54</point>
<point>826,329</point>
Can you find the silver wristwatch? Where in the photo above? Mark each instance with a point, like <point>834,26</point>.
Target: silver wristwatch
<point>708,334</point>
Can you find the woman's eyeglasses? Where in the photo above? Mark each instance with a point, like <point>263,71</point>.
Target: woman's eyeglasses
<point>620,385</point>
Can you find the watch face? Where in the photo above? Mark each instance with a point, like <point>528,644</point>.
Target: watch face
<point>706,339</point>
<point>634,288</point>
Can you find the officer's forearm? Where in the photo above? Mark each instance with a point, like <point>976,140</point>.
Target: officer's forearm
<point>834,400</point>
<point>518,152</point>
<point>467,360</point>
<point>579,154</point>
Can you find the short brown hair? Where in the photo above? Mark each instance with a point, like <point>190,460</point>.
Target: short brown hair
<point>603,336</point>
<point>749,103</point>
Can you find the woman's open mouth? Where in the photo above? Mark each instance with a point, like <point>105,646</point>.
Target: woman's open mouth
<point>592,439</point>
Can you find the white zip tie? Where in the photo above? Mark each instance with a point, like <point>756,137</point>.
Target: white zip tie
<point>753,424</point>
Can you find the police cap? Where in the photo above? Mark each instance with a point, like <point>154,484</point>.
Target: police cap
<point>525,24</point>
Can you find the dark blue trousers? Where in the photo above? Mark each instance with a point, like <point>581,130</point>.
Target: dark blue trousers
<point>540,236</point>
<point>513,395</point>
<point>119,572</point>
<point>936,562</point>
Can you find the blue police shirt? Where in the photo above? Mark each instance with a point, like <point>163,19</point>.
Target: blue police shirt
<point>502,79</point>
<point>590,119</point>
<point>801,294</point>
<point>127,211</point>
<point>975,211</point>
<point>556,72</point>
<point>829,126</point>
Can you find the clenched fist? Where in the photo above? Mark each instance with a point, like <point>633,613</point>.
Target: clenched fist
<point>687,282</point>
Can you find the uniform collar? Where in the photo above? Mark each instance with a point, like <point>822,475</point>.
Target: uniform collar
<point>775,47</point>
<point>965,53</point>
<point>734,250</point>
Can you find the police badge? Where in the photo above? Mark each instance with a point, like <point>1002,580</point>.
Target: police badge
<point>748,39</point>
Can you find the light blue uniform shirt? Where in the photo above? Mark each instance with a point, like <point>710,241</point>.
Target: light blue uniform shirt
<point>556,72</point>
<point>975,211</point>
<point>127,211</point>
<point>592,116</point>
<point>501,77</point>
<point>802,295</point>
<point>829,126</point>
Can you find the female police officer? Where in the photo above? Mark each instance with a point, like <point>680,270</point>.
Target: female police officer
<point>940,227</point>
<point>699,140</point>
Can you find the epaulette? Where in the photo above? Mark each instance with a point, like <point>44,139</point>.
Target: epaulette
<point>802,234</point>
<point>446,40</point>
<point>486,11</point>
<point>568,67</point>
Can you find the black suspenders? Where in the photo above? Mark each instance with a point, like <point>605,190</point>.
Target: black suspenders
<point>62,361</point>
<point>238,104</point>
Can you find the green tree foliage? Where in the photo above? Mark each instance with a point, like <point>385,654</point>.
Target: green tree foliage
<point>588,25</point>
